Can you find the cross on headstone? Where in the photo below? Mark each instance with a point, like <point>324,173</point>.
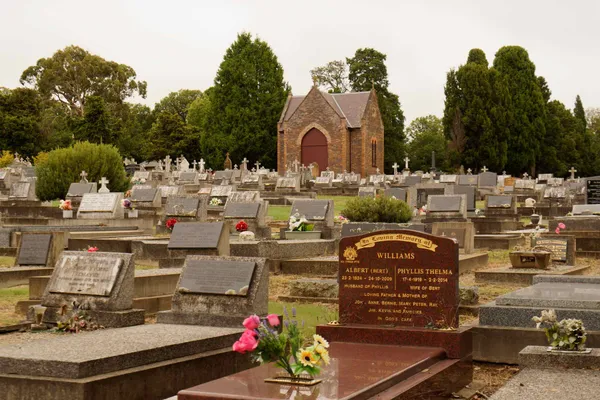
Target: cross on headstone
<point>194,164</point>
<point>257,165</point>
<point>525,175</point>
<point>503,172</point>
<point>484,169</point>
<point>83,176</point>
<point>201,164</point>
<point>469,171</point>
<point>572,171</point>
<point>406,160</point>
<point>395,166</point>
<point>253,170</point>
<point>235,167</point>
<point>104,182</point>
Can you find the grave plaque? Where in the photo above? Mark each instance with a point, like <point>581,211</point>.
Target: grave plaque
<point>423,194</point>
<point>166,191</point>
<point>448,179</point>
<point>221,191</point>
<point>499,201</point>
<point>241,210</point>
<point>250,178</point>
<point>34,248</point>
<point>20,189</point>
<point>469,180</point>
<point>187,176</point>
<point>217,277</point>
<point>488,179</point>
<point>249,196</point>
<point>195,235</point>
<point>593,190</point>
<point>79,189</point>
<point>223,175</point>
<point>92,276</point>
<point>312,210</point>
<point>182,206</point>
<point>444,204</point>
<point>398,193</point>
<point>557,245</point>
<point>367,191</point>
<point>141,175</point>
<point>398,278</point>
<point>144,195</point>
<point>323,180</point>
<point>412,180</point>
<point>543,178</point>
<point>288,183</point>
<point>360,228</point>
<point>469,191</point>
<point>454,233</point>
<point>203,177</point>
<point>99,202</point>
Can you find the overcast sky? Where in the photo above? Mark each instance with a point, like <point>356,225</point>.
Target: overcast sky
<point>179,44</point>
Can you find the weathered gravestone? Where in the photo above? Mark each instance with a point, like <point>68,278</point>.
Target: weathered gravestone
<point>241,210</point>
<point>222,192</point>
<point>397,193</point>
<point>79,189</point>
<point>323,181</point>
<point>468,180</point>
<point>447,206</point>
<point>170,190</point>
<point>101,206</point>
<point>412,180</point>
<point>287,184</point>
<point>188,177</point>
<point>399,278</point>
<point>314,210</point>
<point>22,191</point>
<point>561,246</point>
<point>39,249</point>
<point>462,232</point>
<point>219,291</point>
<point>468,191</point>
<point>488,179</point>
<point>252,181</point>
<point>100,283</point>
<point>186,207</point>
<point>200,238</point>
<point>500,201</point>
<point>448,178</point>
<point>367,191</point>
<point>148,198</point>
<point>249,196</point>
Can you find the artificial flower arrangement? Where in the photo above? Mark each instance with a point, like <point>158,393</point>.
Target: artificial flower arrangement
<point>128,205</point>
<point>241,226</point>
<point>92,249</point>
<point>559,227</point>
<point>340,219</point>
<point>65,205</point>
<point>138,181</point>
<point>290,350</point>
<point>75,321</point>
<point>215,202</point>
<point>300,223</point>
<point>170,224</point>
<point>565,335</point>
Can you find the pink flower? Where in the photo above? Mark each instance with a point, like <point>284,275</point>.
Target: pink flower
<point>273,319</point>
<point>557,230</point>
<point>252,322</point>
<point>561,225</point>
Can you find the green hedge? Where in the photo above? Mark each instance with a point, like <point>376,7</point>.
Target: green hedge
<point>63,167</point>
<point>379,209</point>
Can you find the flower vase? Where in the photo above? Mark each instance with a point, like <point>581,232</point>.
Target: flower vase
<point>67,214</point>
<point>132,213</point>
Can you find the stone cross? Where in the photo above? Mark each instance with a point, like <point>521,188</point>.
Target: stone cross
<point>572,171</point>
<point>296,163</point>
<point>484,169</point>
<point>104,182</point>
<point>245,164</point>
<point>395,166</point>
<point>469,171</point>
<point>525,175</point>
<point>235,167</point>
<point>177,162</point>
<point>83,176</point>
<point>253,170</point>
<point>504,173</point>
<point>194,164</point>
<point>406,160</point>
<point>257,165</point>
<point>201,164</point>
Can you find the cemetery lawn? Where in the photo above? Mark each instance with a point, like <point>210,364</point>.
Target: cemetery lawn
<point>7,261</point>
<point>8,299</point>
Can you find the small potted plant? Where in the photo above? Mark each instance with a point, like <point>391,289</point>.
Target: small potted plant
<point>300,229</point>
<point>170,224</point>
<point>300,358</point>
<point>67,208</point>
<point>131,211</point>
<point>565,335</point>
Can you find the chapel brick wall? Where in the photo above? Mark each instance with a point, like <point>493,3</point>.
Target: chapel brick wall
<point>357,153</point>
<point>372,127</point>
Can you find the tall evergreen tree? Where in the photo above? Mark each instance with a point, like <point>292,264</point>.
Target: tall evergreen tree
<point>246,102</point>
<point>95,127</point>
<point>579,113</point>
<point>367,70</point>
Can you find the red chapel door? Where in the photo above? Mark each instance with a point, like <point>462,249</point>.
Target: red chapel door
<point>314,149</point>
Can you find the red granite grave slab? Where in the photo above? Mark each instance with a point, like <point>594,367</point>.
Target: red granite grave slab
<point>457,343</point>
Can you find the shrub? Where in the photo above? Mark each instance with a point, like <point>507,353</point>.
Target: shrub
<point>64,166</point>
<point>380,209</point>
<point>6,159</point>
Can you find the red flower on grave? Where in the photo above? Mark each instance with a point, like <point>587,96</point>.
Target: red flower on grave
<point>241,226</point>
<point>92,249</point>
<point>170,224</point>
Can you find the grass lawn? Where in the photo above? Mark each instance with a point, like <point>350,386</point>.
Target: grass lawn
<point>311,314</point>
<point>7,262</point>
<point>8,299</point>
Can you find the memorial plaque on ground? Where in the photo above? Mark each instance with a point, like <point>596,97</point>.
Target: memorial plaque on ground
<point>454,233</point>
<point>412,180</point>
<point>79,189</point>
<point>469,191</point>
<point>360,228</point>
<point>216,277</point>
<point>241,210</point>
<point>323,180</point>
<point>448,179</point>
<point>221,191</point>
<point>93,276</point>
<point>367,191</point>
<point>444,203</point>
<point>223,175</point>
<point>397,193</point>
<point>312,210</point>
<point>187,176</point>
<point>398,278</point>
<point>182,206</point>
<point>195,235</point>
<point>557,245</point>
<point>287,183</point>
<point>144,195</point>
<point>593,190</point>
<point>499,201</point>
<point>166,191</point>
<point>250,178</point>
<point>249,196</point>
<point>99,202</point>
<point>34,248</point>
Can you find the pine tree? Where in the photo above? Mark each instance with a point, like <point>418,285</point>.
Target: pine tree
<point>579,113</point>
<point>246,102</point>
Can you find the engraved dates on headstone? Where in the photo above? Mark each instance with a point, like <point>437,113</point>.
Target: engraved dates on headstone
<point>85,275</point>
<point>195,235</point>
<point>98,202</point>
<point>217,277</point>
<point>34,248</point>
<point>399,278</point>
<point>593,190</point>
<point>557,245</point>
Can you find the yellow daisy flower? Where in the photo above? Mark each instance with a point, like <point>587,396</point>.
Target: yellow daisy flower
<point>320,349</point>
<point>307,358</point>
<point>319,340</point>
<point>325,357</point>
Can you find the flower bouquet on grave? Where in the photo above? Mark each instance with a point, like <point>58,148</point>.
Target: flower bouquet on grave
<point>170,224</point>
<point>300,224</point>
<point>92,249</point>
<point>127,204</point>
<point>65,205</point>
<point>559,227</point>
<point>340,220</point>
<point>564,335</point>
<point>299,356</point>
<point>138,181</point>
<point>241,226</point>
<point>215,202</point>
<point>75,320</point>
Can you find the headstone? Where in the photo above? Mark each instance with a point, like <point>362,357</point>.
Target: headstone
<point>586,209</point>
<point>445,203</point>
<point>592,194</point>
<point>462,232</point>
<point>367,191</point>
<point>398,278</point>
<point>179,206</point>
<point>222,191</point>
<point>562,247</point>
<point>543,178</point>
<point>22,191</point>
<point>249,196</point>
<point>104,182</point>
<point>170,190</point>
<point>217,277</point>
<point>468,191</point>
<point>37,249</point>
<point>448,178</point>
<point>288,183</point>
<point>323,181</point>
<point>412,180</point>
<point>312,210</point>
<point>398,193</point>
<point>468,180</point>
<point>200,236</point>
<point>187,176</point>
<point>101,206</point>
<point>241,210</point>
<point>79,189</point>
<point>488,179</point>
<point>499,201</point>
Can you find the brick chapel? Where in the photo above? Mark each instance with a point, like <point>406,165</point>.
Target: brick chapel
<point>342,132</point>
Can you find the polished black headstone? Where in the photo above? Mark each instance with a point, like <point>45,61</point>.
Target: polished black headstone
<point>216,277</point>
<point>195,235</point>
<point>34,248</point>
